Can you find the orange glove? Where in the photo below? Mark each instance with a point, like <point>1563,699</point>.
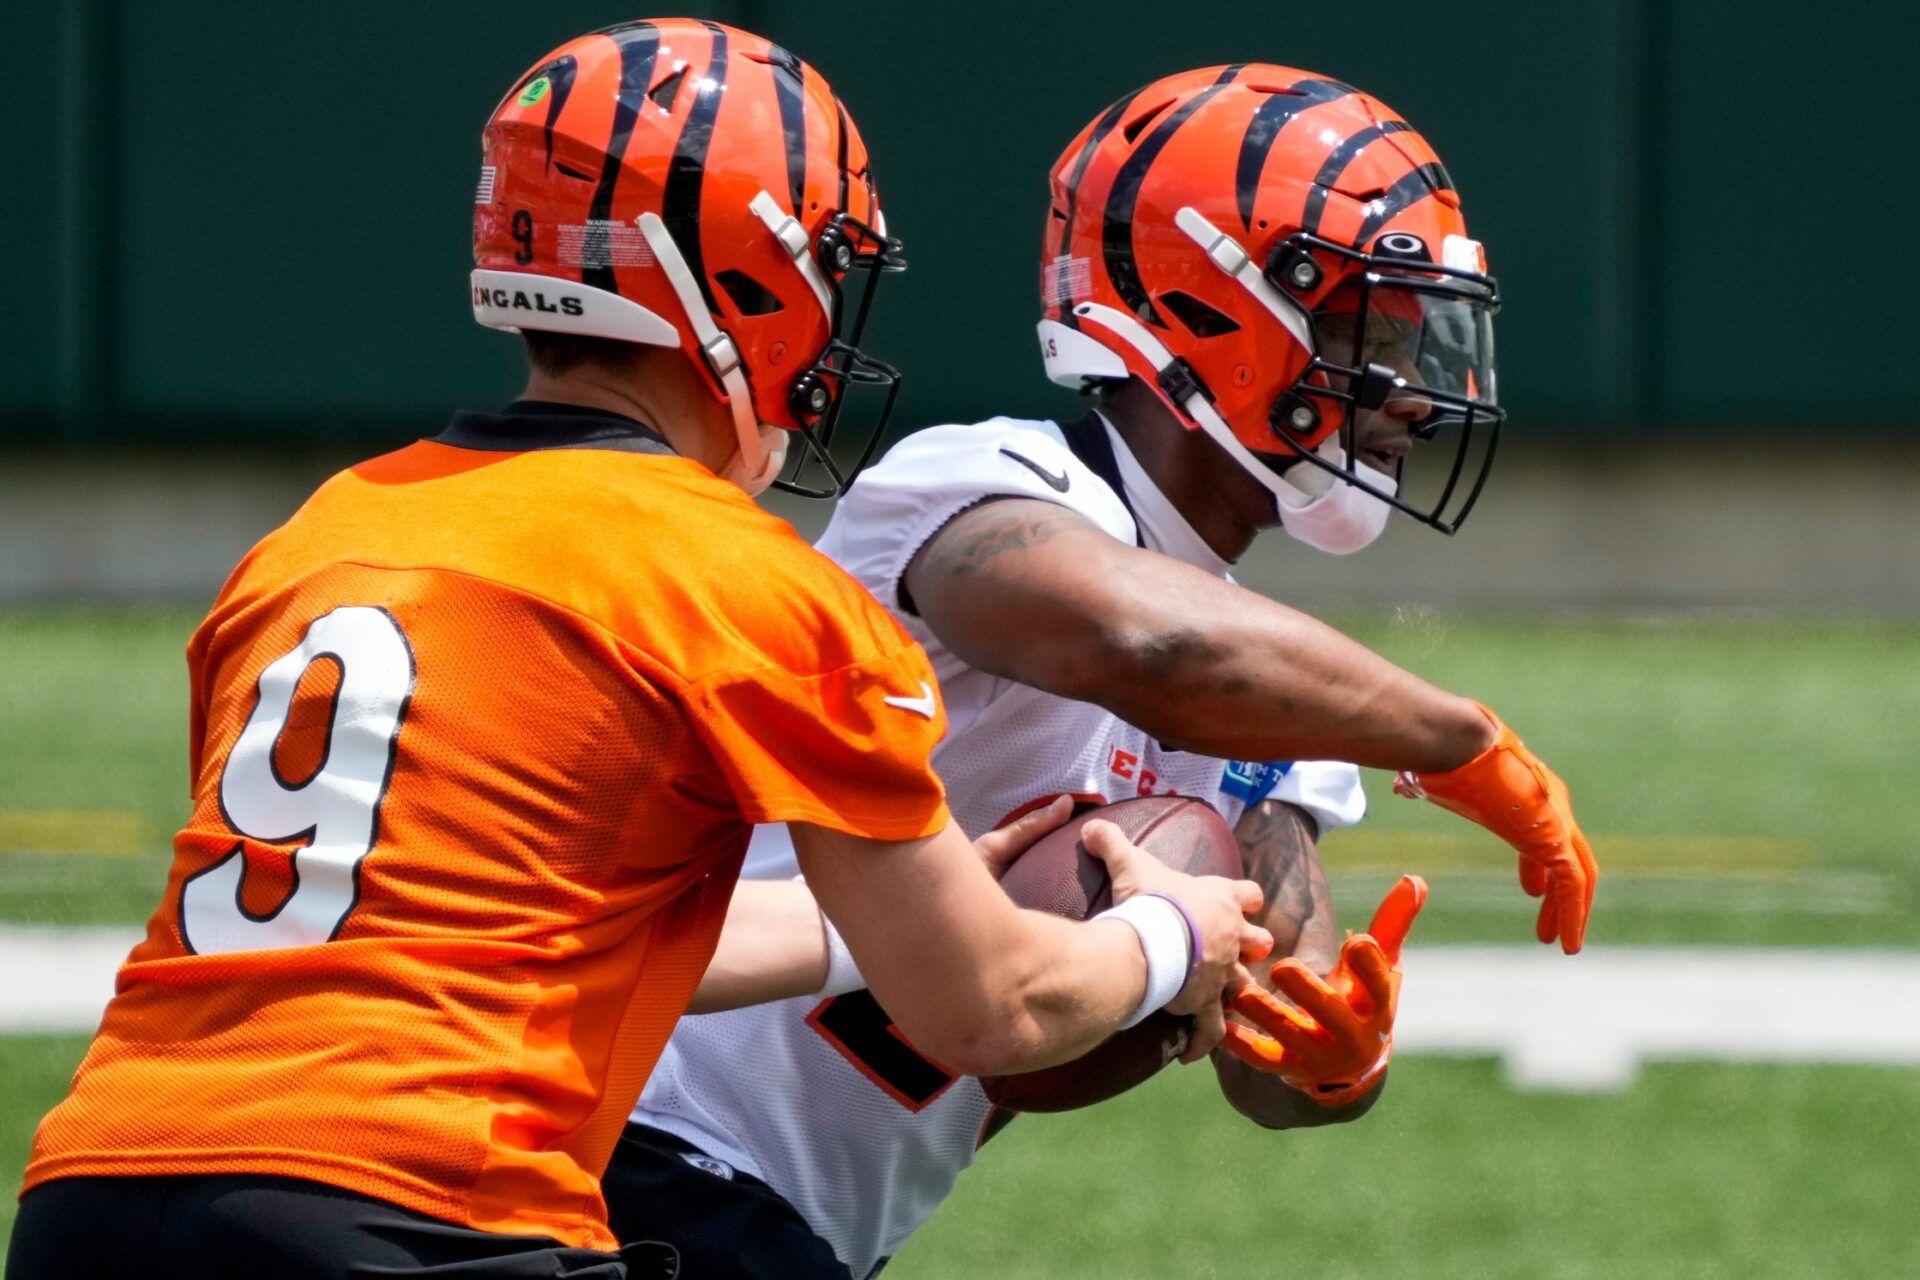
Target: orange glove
<point>1509,792</point>
<point>1334,1048</point>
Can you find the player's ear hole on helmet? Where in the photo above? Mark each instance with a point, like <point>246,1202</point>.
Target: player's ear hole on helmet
<point>750,296</point>
<point>1201,320</point>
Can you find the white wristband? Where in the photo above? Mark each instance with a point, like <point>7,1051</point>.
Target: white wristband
<point>843,975</point>
<point>1167,942</point>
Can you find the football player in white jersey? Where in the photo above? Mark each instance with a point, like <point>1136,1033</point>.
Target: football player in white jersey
<point>1264,278</point>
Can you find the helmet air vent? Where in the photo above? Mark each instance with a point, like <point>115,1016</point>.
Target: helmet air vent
<point>662,94</point>
<point>749,295</point>
<point>1133,128</point>
<point>1201,320</point>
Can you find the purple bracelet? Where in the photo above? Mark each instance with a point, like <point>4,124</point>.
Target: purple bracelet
<point>1193,934</point>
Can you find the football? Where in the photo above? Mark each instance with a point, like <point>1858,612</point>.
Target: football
<point>1058,876</point>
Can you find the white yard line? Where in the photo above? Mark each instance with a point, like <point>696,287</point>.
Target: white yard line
<point>1573,1023</point>
<point>1586,1022</point>
<point>55,979</point>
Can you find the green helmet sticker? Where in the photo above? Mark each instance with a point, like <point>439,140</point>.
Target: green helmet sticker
<point>535,91</point>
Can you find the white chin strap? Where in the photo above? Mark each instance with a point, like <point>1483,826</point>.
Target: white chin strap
<point>1196,405</point>
<point>1315,507</point>
<point>722,356</point>
<point>793,238</point>
<point>1339,518</point>
<point>1226,254</point>
<point>1344,518</point>
<point>512,300</point>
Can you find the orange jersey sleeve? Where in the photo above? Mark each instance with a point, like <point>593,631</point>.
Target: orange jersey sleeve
<point>844,749</point>
<point>835,721</point>
<point>478,740</point>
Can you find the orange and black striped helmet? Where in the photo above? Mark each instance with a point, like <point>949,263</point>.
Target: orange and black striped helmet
<point>1276,253</point>
<point>680,183</point>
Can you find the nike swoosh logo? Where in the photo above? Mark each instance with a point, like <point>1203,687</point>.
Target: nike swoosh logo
<point>1058,483</point>
<point>923,705</point>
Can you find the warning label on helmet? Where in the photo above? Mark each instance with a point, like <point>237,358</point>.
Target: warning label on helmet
<point>1064,279</point>
<point>603,243</point>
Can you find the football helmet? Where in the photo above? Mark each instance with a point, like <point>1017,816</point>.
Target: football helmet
<point>1283,259</point>
<point>680,183</point>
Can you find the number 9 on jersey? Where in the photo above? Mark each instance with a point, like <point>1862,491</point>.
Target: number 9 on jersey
<point>336,810</point>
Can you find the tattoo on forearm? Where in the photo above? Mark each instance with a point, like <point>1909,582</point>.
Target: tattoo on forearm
<point>1277,841</point>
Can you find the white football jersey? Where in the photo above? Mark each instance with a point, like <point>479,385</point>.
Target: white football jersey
<point>822,1099</point>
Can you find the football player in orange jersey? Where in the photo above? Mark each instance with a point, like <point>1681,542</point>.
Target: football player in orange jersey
<point>478,737</point>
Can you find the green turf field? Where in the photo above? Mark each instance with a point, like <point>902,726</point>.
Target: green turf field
<point>1763,1173</point>
<point>1744,780</point>
<point>1700,1170</point>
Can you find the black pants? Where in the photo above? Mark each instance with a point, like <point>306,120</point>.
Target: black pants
<point>244,1227</point>
<point>723,1224</point>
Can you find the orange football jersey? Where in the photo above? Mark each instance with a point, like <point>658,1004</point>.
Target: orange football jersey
<point>478,737</point>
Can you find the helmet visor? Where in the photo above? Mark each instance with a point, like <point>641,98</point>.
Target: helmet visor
<point>1427,340</point>
<point>1404,360</point>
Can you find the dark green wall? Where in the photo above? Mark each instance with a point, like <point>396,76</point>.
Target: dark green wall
<point>39,322</point>
<point>251,222</point>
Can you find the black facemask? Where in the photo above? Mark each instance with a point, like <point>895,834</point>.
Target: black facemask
<point>1413,331</point>
<point>831,456</point>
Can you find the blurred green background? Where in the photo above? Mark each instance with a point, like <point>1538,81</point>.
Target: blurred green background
<point>246,225</point>
<point>242,242</point>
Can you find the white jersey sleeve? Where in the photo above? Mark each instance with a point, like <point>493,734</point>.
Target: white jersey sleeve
<point>825,1100</point>
<point>933,475</point>
<point>1329,790</point>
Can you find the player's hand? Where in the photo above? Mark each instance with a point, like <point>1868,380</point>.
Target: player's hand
<point>1218,908</point>
<point>1335,1045</point>
<point>1000,847</point>
<point>1507,790</point>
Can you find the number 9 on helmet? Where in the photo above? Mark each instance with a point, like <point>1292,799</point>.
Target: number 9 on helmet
<point>680,183</point>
